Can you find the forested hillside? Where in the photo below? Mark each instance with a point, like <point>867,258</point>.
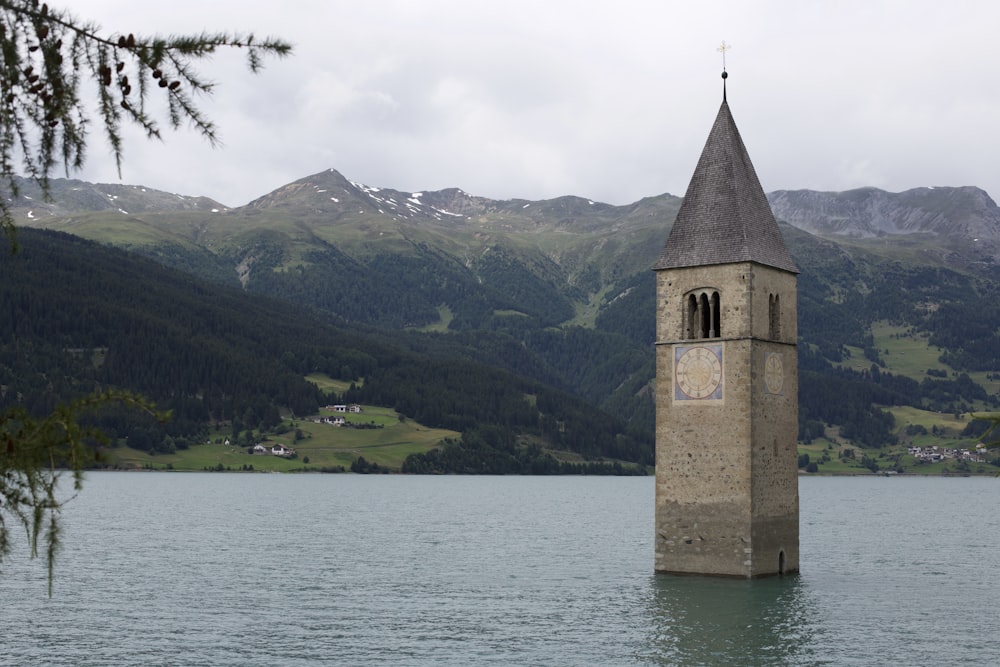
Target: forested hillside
<point>560,292</point>
<point>80,316</point>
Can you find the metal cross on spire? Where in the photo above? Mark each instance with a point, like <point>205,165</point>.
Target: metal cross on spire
<point>722,49</point>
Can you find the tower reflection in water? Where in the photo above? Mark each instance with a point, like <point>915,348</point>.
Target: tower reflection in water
<point>718,621</point>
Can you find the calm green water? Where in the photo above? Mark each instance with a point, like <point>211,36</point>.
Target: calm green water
<point>237,569</point>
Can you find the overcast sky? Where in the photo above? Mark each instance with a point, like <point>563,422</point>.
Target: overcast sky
<point>608,100</point>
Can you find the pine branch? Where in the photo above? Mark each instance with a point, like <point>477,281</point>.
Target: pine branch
<point>46,58</point>
<point>33,451</point>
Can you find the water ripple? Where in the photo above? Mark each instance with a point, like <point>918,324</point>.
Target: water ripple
<point>204,569</point>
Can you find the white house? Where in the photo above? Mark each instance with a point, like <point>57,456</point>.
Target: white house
<point>260,449</point>
<point>281,450</point>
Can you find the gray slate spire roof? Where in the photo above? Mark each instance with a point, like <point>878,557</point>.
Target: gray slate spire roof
<point>725,217</point>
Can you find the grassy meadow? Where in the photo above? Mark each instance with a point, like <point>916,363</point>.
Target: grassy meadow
<point>387,440</point>
<point>383,436</point>
<point>903,351</point>
<point>910,354</point>
<point>943,432</point>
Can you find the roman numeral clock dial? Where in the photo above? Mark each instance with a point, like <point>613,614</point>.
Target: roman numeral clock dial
<point>698,372</point>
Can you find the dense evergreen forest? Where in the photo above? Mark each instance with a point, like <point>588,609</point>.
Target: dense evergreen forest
<point>78,316</point>
<point>493,451</point>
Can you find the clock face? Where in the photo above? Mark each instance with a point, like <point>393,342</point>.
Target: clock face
<point>698,372</point>
<point>774,373</point>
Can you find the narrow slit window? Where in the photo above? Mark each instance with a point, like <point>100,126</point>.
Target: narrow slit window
<point>774,316</point>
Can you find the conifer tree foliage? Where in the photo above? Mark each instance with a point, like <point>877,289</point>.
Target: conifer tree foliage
<point>31,449</point>
<point>54,67</point>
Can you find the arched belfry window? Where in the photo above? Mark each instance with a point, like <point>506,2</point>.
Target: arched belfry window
<point>774,316</point>
<point>702,314</point>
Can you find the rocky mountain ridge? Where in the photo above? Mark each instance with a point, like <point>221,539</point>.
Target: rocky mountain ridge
<point>965,212</point>
<point>331,194</point>
<point>71,196</point>
<point>869,212</point>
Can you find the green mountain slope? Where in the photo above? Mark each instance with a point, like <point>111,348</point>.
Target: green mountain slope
<point>560,290</point>
<point>80,316</point>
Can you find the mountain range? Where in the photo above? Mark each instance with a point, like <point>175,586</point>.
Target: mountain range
<point>567,281</point>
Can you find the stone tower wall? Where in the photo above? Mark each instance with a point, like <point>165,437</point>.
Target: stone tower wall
<point>726,489</point>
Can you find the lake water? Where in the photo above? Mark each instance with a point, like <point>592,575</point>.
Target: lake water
<point>255,569</point>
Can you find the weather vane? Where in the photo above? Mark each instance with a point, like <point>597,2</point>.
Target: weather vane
<point>722,49</point>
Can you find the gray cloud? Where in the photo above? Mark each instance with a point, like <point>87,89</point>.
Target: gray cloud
<point>611,101</point>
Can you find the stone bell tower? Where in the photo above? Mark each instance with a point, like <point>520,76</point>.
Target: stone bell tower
<point>727,498</point>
